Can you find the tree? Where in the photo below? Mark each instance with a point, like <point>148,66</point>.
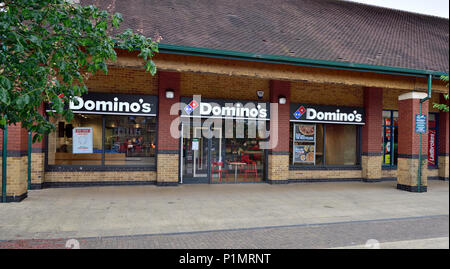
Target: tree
<point>48,49</point>
<point>443,107</point>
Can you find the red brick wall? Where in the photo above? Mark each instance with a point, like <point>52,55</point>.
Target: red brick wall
<point>17,138</point>
<point>167,80</point>
<point>277,89</point>
<point>371,131</point>
<point>408,140</point>
<point>443,128</point>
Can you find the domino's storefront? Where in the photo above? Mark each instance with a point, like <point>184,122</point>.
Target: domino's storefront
<point>325,136</point>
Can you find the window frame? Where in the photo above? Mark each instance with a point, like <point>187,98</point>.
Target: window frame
<point>391,127</point>
<point>324,166</point>
<point>102,166</point>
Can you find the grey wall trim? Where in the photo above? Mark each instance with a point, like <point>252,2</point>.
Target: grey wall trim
<point>388,167</point>
<point>10,199</point>
<point>372,154</point>
<point>312,180</point>
<point>45,185</point>
<point>324,168</point>
<point>98,168</point>
<point>16,153</point>
<point>412,156</point>
<point>411,188</point>
<point>22,153</point>
<point>388,179</point>
<point>273,182</point>
<point>167,184</point>
<point>273,152</point>
<point>443,154</point>
<point>166,151</point>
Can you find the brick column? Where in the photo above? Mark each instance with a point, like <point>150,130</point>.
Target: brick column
<point>408,143</point>
<point>168,147</point>
<point>443,141</point>
<point>38,159</point>
<point>371,135</point>
<point>17,161</point>
<point>278,159</point>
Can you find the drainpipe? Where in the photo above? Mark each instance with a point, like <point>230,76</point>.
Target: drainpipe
<point>420,135</point>
<point>29,160</point>
<point>4,164</point>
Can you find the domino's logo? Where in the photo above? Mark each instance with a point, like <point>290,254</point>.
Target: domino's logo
<point>191,107</point>
<point>299,112</point>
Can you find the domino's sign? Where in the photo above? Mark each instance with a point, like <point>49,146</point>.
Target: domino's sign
<point>114,104</point>
<point>231,109</point>
<point>326,114</point>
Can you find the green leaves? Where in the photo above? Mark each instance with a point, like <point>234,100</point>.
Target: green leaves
<point>46,46</point>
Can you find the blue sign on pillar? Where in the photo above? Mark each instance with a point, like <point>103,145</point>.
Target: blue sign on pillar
<point>420,124</point>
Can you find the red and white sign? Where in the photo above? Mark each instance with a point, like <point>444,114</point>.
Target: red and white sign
<point>431,147</point>
<point>82,140</point>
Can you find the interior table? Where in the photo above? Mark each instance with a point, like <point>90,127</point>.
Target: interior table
<point>236,164</point>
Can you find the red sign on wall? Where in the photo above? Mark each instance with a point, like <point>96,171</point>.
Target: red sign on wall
<point>431,147</point>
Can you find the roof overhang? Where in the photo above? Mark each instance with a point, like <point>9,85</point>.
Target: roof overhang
<point>246,56</point>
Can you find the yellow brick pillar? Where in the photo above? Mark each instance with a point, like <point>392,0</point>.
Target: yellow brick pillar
<point>408,144</point>
<point>443,142</point>
<point>16,164</point>
<point>371,158</point>
<point>167,161</point>
<point>278,159</point>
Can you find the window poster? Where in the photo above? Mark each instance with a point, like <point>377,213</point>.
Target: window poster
<point>304,146</point>
<point>304,153</point>
<point>304,132</point>
<point>82,140</point>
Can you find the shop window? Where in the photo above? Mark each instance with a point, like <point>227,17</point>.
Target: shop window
<point>97,140</point>
<point>390,138</point>
<point>87,147</point>
<point>130,140</point>
<point>340,144</point>
<point>324,144</point>
<point>433,140</point>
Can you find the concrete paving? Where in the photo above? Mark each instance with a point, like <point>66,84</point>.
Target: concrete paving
<point>147,210</point>
<point>429,243</point>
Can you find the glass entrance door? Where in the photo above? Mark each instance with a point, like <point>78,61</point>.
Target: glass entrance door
<point>197,154</point>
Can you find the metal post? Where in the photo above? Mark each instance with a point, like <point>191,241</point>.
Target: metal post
<point>4,164</point>
<point>29,160</point>
<point>420,155</point>
<point>420,135</point>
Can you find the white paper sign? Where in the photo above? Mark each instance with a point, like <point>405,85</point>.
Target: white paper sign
<point>195,145</point>
<point>82,140</point>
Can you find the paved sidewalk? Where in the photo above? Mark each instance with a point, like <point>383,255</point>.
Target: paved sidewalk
<point>147,210</point>
<point>405,233</point>
<point>430,243</point>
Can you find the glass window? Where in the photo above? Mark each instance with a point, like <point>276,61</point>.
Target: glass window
<point>127,140</point>
<point>332,144</point>
<point>61,147</point>
<point>390,137</point>
<point>340,144</point>
<point>130,140</point>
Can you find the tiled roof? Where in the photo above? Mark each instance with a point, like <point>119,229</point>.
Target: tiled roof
<point>329,30</point>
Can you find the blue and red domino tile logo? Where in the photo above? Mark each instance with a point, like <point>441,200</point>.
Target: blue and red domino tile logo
<point>191,107</point>
<point>299,112</point>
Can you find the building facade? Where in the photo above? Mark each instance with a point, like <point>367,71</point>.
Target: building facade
<point>220,116</point>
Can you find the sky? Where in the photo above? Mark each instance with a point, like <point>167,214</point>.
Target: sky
<point>430,7</point>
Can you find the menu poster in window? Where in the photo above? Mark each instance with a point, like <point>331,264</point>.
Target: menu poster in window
<point>304,153</point>
<point>304,132</point>
<point>82,140</point>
